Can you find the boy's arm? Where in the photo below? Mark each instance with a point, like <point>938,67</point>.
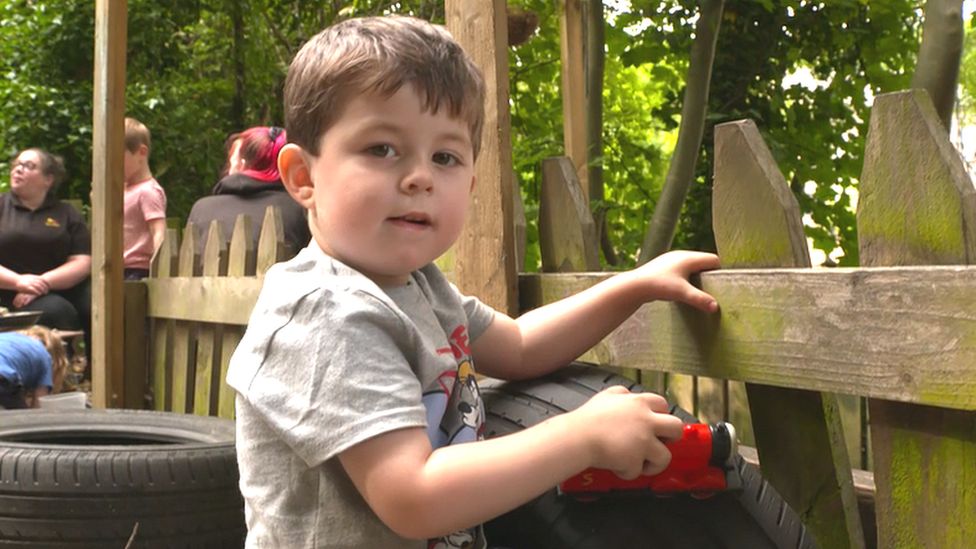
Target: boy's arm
<point>551,336</point>
<point>157,228</point>
<point>420,493</point>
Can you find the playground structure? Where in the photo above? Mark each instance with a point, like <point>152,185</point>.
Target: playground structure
<point>801,344</point>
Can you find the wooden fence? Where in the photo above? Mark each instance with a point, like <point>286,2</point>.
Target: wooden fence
<point>194,307</point>
<point>802,346</point>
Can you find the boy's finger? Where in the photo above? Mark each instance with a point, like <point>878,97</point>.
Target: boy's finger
<point>701,300</point>
<point>669,427</point>
<point>656,402</point>
<point>658,458</point>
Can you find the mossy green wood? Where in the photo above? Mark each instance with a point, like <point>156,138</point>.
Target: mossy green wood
<point>918,206</point>
<point>798,433</point>
<point>906,334</point>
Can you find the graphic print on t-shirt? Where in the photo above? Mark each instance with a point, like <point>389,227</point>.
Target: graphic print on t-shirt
<point>454,410</point>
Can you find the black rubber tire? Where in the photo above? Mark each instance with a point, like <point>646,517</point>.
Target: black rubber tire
<point>754,518</point>
<point>86,478</point>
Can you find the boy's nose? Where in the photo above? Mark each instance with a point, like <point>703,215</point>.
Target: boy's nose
<point>418,180</point>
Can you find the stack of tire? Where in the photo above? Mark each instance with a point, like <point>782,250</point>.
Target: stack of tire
<point>118,479</point>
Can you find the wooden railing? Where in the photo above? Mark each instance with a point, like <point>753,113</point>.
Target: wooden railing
<point>801,346</point>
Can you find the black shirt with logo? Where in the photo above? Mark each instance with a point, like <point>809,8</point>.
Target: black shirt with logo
<point>34,242</point>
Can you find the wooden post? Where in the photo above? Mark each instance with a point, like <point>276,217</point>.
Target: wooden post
<point>573,70</point>
<point>484,254</point>
<point>207,352</point>
<point>798,433</point>
<point>918,206</point>
<point>108,133</point>
<point>567,234</point>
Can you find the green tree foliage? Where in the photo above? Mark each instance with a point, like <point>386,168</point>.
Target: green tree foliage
<point>201,69</point>
<point>855,49</point>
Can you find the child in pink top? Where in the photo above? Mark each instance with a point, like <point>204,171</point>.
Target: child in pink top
<point>144,209</point>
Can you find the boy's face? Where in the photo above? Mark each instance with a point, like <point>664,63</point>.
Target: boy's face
<point>133,163</point>
<point>390,186</point>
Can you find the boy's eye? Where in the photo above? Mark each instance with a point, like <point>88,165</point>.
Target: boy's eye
<point>446,159</point>
<point>382,151</point>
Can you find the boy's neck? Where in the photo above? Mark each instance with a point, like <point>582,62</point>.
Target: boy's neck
<point>140,176</point>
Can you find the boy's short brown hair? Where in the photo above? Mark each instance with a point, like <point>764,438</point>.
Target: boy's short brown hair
<point>379,54</point>
<point>136,133</point>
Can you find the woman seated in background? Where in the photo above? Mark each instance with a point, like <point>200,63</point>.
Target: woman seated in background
<point>45,246</point>
<point>251,185</point>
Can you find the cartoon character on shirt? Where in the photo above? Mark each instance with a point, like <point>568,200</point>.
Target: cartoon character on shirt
<point>454,409</point>
<point>464,417</point>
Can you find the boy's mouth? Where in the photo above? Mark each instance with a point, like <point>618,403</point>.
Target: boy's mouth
<point>414,219</point>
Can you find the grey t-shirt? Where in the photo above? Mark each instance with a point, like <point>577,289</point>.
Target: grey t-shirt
<point>329,360</point>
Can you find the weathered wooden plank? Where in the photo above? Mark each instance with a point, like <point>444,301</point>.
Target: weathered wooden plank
<point>108,103</point>
<point>163,265</point>
<point>214,265</point>
<point>241,256</point>
<point>485,251</point>
<point>136,363</point>
<point>271,241</point>
<point>160,363</point>
<point>918,206</point>
<point>905,334</point>
<point>573,87</point>
<point>182,372</point>
<point>567,234</point>
<point>757,222</point>
<point>224,300</point>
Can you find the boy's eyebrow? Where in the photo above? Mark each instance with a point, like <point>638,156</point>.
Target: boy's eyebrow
<point>380,124</point>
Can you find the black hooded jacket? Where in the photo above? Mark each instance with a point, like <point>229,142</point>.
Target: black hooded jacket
<point>239,194</point>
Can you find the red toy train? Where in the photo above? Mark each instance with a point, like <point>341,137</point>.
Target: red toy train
<point>700,461</point>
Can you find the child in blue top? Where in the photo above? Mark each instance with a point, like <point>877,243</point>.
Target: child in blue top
<point>359,418</point>
<point>25,370</point>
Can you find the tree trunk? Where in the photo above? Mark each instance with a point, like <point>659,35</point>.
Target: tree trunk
<point>937,68</point>
<point>238,106</point>
<point>681,171</point>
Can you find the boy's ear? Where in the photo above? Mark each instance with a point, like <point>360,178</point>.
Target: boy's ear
<point>296,174</point>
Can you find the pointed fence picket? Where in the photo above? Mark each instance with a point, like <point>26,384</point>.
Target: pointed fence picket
<point>197,301</point>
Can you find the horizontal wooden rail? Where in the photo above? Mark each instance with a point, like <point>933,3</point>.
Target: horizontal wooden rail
<point>904,334</point>
<point>224,300</point>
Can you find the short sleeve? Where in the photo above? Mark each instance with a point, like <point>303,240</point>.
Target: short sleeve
<point>480,316</point>
<point>80,237</point>
<point>334,375</point>
<point>153,203</point>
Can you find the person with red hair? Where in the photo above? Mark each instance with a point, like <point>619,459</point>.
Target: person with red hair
<point>252,183</point>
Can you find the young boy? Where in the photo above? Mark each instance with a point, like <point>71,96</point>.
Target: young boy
<point>358,413</point>
<point>144,209</point>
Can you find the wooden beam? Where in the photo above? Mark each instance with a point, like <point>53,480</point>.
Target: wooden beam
<point>224,300</point>
<point>573,70</point>
<point>906,334</point>
<point>484,255</point>
<point>107,188</point>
